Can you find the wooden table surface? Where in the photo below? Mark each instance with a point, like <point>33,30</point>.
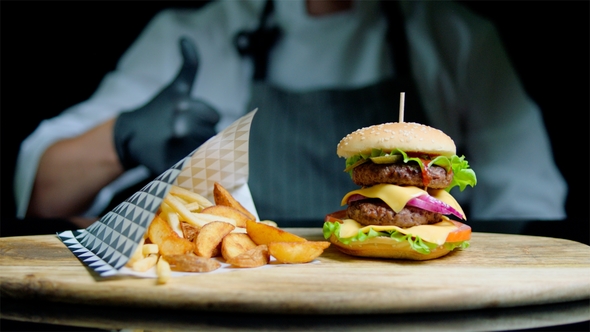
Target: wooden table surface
<point>497,270</point>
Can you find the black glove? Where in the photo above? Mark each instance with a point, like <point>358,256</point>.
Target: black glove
<point>170,126</point>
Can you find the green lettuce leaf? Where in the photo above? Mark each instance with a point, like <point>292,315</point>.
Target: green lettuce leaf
<point>415,242</point>
<point>462,174</point>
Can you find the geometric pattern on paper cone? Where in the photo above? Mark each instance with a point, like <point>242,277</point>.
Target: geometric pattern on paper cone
<point>107,245</point>
<point>223,159</point>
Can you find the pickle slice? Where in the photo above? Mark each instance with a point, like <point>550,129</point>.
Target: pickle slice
<point>390,159</point>
<point>359,162</point>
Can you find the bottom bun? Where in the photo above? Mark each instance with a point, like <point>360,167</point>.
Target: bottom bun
<point>386,247</point>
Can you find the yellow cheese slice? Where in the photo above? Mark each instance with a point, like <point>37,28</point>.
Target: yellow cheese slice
<point>435,233</point>
<point>394,196</point>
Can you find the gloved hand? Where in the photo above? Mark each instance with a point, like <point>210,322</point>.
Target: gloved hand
<point>170,126</point>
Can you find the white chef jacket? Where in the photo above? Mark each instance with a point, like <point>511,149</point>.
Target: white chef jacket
<point>467,85</point>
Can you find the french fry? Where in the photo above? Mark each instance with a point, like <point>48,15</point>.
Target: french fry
<point>165,209</point>
<point>189,231</point>
<point>137,254</point>
<point>176,246</point>
<point>234,244</point>
<point>175,223</point>
<point>169,214</point>
<point>262,233</point>
<point>145,264</point>
<point>168,241</point>
<point>255,257</point>
<point>163,271</point>
<point>183,212</point>
<point>150,248</point>
<point>193,207</point>
<point>205,218</point>
<point>228,212</point>
<point>297,252</point>
<point>210,237</point>
<point>222,197</point>
<point>184,201</point>
<point>159,230</point>
<point>269,222</point>
<point>189,196</point>
<point>191,263</point>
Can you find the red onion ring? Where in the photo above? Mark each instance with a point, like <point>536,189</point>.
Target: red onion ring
<point>429,203</point>
<point>355,197</point>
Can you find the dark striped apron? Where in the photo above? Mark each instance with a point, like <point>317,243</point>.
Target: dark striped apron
<point>296,178</point>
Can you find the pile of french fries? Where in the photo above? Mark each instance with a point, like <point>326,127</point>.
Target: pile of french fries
<point>191,234</point>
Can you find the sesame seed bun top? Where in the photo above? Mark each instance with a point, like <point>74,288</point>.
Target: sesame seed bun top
<point>406,136</point>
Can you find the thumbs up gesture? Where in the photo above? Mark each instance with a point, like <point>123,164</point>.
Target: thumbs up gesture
<point>168,127</point>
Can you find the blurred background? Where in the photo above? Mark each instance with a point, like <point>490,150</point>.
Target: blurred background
<point>55,54</point>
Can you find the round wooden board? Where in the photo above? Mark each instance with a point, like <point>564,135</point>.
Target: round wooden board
<point>497,270</point>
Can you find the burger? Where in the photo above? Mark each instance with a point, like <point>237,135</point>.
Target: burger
<point>403,208</point>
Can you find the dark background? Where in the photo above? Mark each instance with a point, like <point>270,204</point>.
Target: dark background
<point>54,54</point>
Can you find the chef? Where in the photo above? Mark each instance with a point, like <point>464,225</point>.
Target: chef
<point>315,70</point>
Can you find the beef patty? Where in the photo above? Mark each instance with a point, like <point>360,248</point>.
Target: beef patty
<point>373,211</point>
<point>401,174</point>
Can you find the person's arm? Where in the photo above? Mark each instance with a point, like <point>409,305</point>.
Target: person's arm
<point>126,88</point>
<point>141,73</point>
<point>156,135</point>
<point>72,171</point>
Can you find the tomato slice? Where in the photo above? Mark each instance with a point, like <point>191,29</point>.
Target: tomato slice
<point>336,216</point>
<point>462,233</point>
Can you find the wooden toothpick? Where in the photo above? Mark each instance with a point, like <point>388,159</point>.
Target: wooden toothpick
<point>402,97</point>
